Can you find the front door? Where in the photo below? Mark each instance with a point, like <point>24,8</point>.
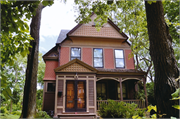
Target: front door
<point>75,95</point>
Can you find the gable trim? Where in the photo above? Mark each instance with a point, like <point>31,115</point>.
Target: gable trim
<point>76,61</point>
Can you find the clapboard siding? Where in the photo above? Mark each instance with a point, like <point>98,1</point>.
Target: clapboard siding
<point>91,93</point>
<point>60,88</point>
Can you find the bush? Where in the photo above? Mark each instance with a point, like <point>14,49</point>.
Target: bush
<point>119,110</point>
<point>42,114</point>
<point>150,93</point>
<point>16,113</point>
<point>3,110</point>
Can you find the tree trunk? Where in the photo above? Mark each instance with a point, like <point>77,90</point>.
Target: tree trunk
<point>162,54</point>
<point>29,98</point>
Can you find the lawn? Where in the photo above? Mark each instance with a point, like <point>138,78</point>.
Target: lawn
<point>8,116</point>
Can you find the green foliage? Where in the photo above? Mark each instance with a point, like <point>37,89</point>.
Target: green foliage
<point>140,94</point>
<point>175,96</point>
<point>150,93</point>
<point>3,110</point>
<point>119,110</point>
<point>41,70</point>
<point>42,114</point>
<point>39,99</point>
<point>16,113</point>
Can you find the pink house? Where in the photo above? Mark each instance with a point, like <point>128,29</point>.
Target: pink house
<point>87,67</point>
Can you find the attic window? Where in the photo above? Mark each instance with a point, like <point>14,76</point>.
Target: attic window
<point>75,53</point>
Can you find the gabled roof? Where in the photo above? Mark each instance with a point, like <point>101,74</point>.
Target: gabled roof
<point>64,34</point>
<point>87,68</point>
<point>47,55</point>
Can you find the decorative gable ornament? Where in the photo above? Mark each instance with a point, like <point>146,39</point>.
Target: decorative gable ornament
<point>76,65</point>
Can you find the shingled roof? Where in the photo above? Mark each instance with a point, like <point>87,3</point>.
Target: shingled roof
<point>62,35</point>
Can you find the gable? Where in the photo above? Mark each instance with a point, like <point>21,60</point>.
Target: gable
<point>52,54</point>
<point>89,30</point>
<point>75,66</point>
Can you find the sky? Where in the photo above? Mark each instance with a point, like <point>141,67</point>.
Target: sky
<point>54,18</point>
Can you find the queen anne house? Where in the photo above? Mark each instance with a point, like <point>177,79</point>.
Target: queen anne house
<point>88,67</point>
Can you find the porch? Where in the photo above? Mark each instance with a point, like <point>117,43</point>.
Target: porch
<point>125,90</point>
<point>140,103</point>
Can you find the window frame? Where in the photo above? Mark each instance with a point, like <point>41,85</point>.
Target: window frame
<point>53,87</point>
<point>75,57</point>
<point>98,57</point>
<point>119,58</point>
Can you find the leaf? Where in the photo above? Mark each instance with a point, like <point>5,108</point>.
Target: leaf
<point>7,93</point>
<point>176,93</point>
<point>176,98</point>
<point>176,106</point>
<point>150,107</point>
<point>177,78</point>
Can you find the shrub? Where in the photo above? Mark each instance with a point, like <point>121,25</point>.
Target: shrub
<point>16,113</point>
<point>42,114</point>
<point>119,110</point>
<point>3,110</point>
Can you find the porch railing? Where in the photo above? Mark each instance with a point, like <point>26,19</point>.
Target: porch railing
<point>140,103</point>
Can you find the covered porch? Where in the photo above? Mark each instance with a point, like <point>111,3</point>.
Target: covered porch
<point>120,87</point>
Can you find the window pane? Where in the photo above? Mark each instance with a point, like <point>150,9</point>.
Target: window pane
<point>98,62</point>
<point>119,62</point>
<point>51,87</point>
<point>75,52</point>
<point>97,52</point>
<point>119,54</point>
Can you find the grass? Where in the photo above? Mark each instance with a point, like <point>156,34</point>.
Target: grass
<point>8,116</point>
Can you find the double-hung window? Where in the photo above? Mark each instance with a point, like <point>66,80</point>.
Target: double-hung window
<point>75,53</point>
<point>119,59</point>
<point>98,57</point>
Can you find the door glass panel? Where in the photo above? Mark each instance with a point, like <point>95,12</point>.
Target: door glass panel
<point>70,94</point>
<point>80,94</point>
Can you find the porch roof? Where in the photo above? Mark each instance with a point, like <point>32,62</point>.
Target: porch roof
<point>120,71</point>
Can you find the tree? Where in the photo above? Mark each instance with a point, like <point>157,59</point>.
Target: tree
<point>162,54</point>
<point>29,97</point>
<point>161,51</point>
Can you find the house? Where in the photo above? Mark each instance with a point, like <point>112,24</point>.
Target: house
<point>87,67</point>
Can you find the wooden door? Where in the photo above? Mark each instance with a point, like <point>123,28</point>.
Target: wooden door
<point>75,95</point>
<point>81,94</point>
<point>70,95</point>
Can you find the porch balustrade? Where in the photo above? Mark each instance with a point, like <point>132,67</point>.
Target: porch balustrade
<point>140,103</point>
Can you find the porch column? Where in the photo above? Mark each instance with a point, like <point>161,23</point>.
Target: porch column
<point>120,82</point>
<point>144,82</point>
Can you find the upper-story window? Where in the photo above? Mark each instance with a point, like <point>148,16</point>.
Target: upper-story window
<point>119,58</point>
<point>98,57</point>
<point>75,53</point>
